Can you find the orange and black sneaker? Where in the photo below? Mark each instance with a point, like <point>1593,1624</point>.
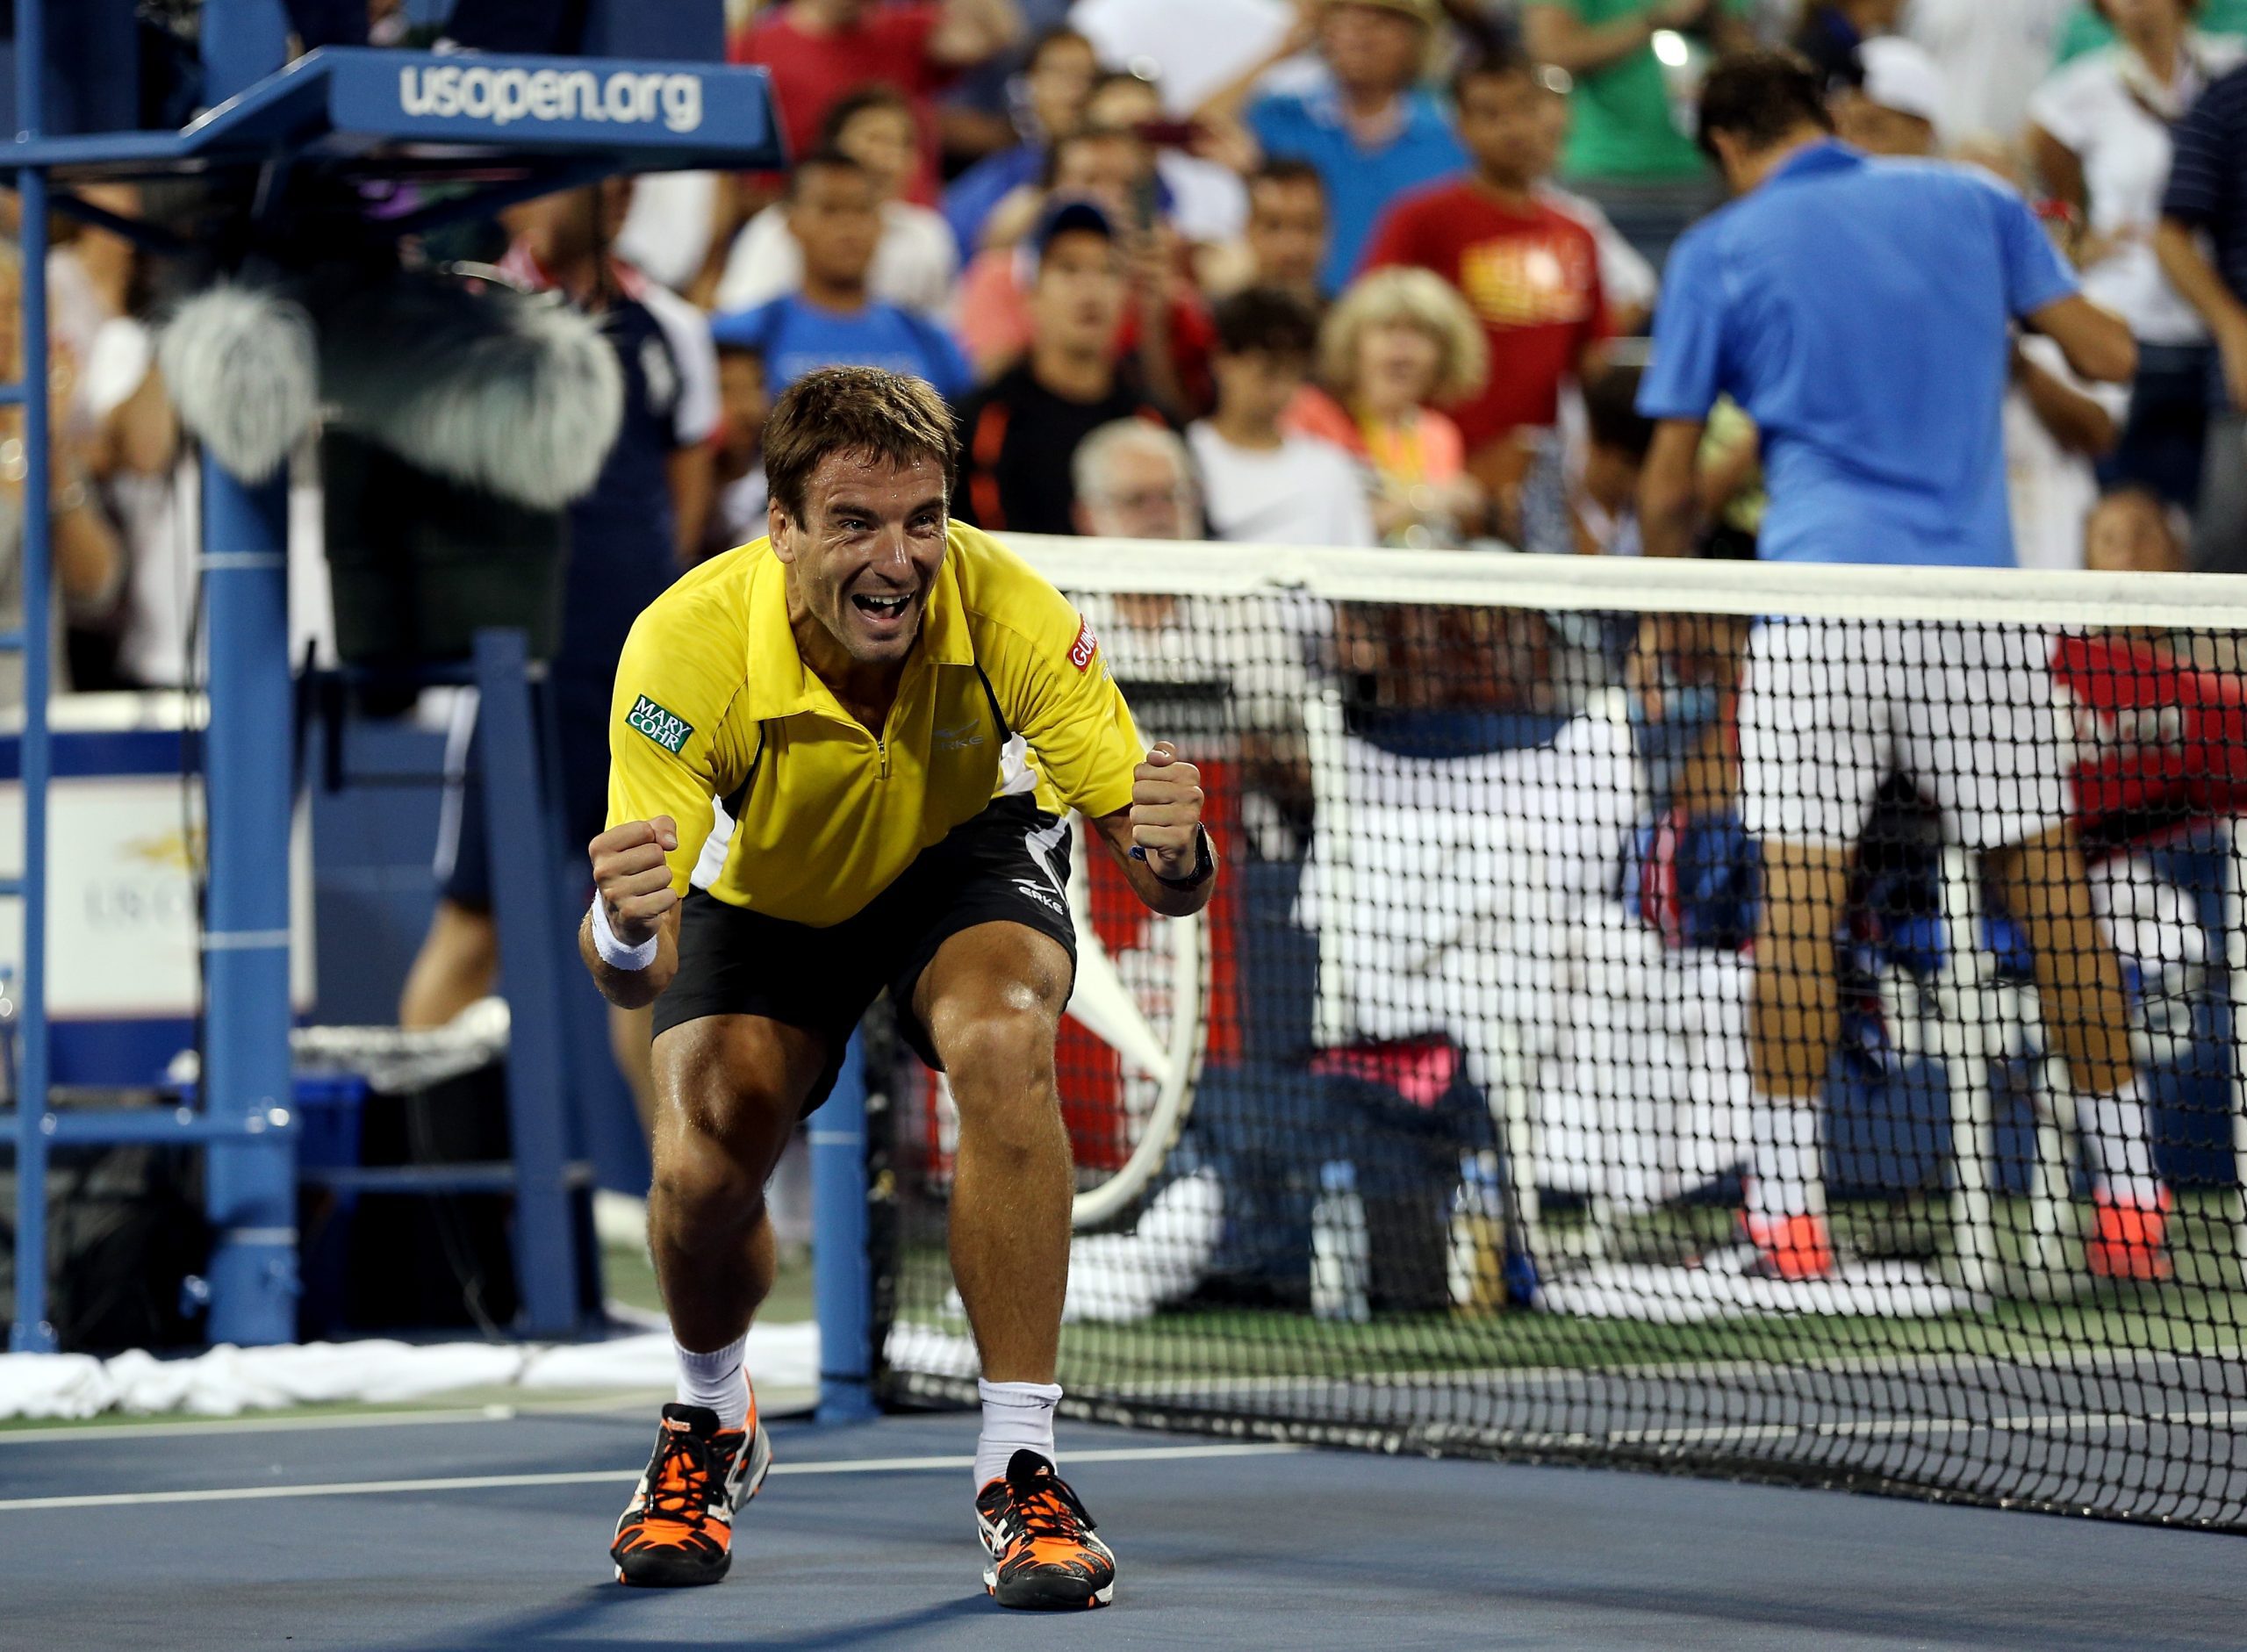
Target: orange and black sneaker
<point>1789,1247</point>
<point>1044,1555</point>
<point>2129,1239</point>
<point>678,1528</point>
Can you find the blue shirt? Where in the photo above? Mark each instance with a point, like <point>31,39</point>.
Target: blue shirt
<point>797,338</point>
<point>1360,182</point>
<point>2208,175</point>
<point>1861,311</point>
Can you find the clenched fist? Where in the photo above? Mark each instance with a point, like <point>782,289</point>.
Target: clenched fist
<point>1167,812</point>
<point>633,877</point>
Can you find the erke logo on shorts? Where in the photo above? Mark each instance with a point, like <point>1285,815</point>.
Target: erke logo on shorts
<point>1084,647</point>
<point>478,91</point>
<point>666,729</point>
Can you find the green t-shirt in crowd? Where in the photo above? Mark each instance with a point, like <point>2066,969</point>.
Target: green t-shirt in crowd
<point>1621,127</point>
<point>2087,30</point>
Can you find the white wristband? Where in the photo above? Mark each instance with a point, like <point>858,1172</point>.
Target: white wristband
<point>613,952</point>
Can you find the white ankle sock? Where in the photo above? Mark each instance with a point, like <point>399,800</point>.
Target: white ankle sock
<point>1786,1175</point>
<point>2118,1144</point>
<point>1014,1415</point>
<point>716,1380</point>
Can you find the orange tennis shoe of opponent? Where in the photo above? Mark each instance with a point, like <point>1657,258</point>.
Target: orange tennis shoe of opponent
<point>1789,1247</point>
<point>678,1528</point>
<point>2130,1240</point>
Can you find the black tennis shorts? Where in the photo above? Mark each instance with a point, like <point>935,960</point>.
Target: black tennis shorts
<point>1007,864</point>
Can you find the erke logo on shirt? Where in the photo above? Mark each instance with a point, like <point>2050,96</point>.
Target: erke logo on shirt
<point>1084,647</point>
<point>666,729</point>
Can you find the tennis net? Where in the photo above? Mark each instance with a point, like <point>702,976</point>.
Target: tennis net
<point>1750,1020</point>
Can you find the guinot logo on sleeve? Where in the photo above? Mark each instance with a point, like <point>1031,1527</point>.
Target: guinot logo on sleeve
<point>1084,647</point>
<point>667,729</point>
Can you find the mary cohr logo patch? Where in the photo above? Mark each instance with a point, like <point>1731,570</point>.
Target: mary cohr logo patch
<point>666,729</point>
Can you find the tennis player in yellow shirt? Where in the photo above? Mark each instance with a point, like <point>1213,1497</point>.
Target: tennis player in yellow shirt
<point>840,760</point>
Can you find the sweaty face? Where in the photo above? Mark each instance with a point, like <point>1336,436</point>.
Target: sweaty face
<point>863,556</point>
<point>1503,122</point>
<point>1077,301</point>
<point>1287,232</point>
<point>836,218</point>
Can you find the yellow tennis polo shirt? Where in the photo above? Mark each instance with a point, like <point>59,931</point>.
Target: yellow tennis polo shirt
<point>786,803</point>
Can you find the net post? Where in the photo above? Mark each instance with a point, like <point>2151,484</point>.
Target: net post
<point>842,1269</point>
<point>1966,1070</point>
<point>249,1185</point>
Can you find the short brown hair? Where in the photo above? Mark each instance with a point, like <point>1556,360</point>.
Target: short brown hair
<point>1762,98</point>
<point>857,410</point>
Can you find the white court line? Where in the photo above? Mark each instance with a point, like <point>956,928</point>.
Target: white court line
<point>601,1476</point>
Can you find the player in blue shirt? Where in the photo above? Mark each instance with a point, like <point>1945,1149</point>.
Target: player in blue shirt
<point>1862,311</point>
<point>834,213</point>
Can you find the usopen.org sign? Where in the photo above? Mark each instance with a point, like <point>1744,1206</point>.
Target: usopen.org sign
<point>720,114</point>
<point>504,95</point>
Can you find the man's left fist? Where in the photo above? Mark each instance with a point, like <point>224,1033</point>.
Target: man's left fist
<point>1167,812</point>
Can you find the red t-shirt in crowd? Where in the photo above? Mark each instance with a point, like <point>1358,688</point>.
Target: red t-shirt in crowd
<point>811,73</point>
<point>1533,279</point>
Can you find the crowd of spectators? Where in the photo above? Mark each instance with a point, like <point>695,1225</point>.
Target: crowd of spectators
<point>1384,268</point>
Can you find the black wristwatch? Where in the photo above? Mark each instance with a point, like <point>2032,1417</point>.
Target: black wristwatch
<point>1205,863</point>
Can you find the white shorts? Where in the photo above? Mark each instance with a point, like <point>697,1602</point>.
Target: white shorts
<point>1829,708</point>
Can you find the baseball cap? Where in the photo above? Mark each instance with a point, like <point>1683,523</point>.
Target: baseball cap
<point>1069,212</point>
<point>1902,77</point>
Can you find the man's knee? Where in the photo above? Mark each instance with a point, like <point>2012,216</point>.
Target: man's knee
<point>701,1182</point>
<point>997,1051</point>
<point>726,1098</point>
<point>992,1002</point>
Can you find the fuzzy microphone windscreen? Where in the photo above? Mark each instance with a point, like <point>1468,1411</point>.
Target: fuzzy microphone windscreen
<point>514,394</point>
<point>240,365</point>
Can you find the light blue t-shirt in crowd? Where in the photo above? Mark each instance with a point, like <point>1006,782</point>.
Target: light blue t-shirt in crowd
<point>797,337</point>
<point>1360,182</point>
<point>1861,311</point>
